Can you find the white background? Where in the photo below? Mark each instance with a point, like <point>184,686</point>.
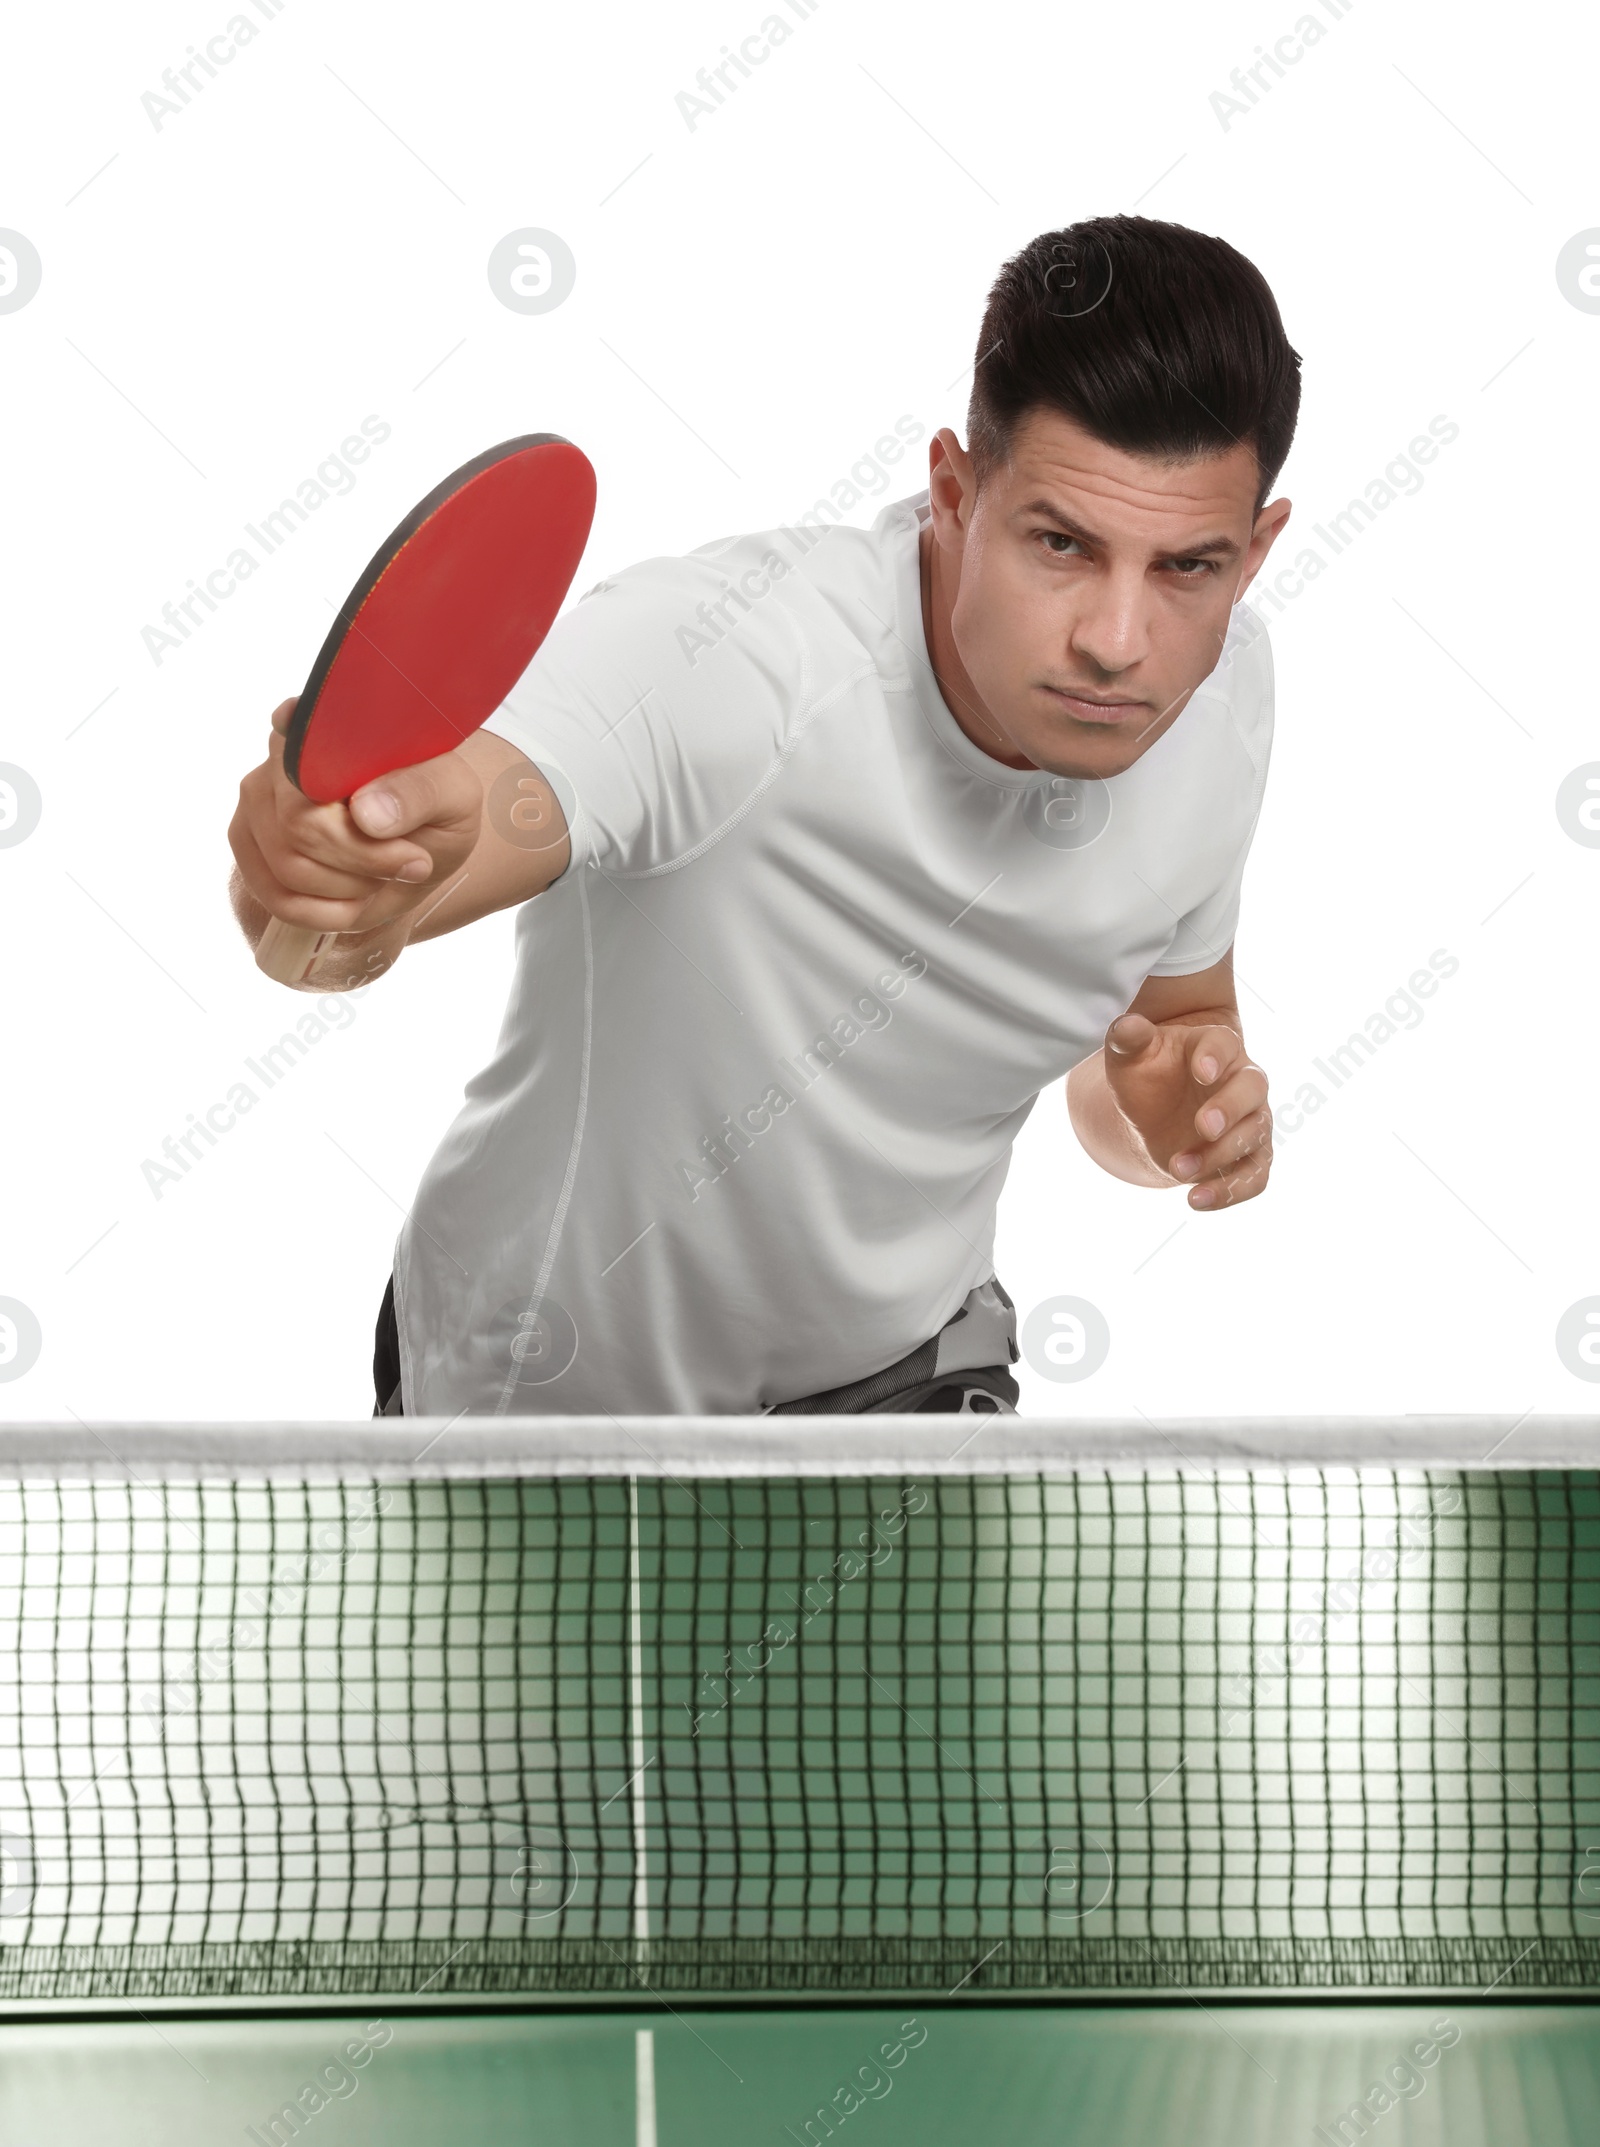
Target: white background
<point>225,297</point>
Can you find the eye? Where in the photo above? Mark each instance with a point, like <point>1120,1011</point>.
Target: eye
<point>1205,566</point>
<point>1053,537</point>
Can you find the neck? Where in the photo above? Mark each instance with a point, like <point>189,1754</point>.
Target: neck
<point>960,696</point>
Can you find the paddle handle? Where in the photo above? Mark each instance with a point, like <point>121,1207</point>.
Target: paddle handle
<point>286,951</point>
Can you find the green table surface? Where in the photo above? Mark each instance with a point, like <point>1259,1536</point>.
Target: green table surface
<point>1513,2076</point>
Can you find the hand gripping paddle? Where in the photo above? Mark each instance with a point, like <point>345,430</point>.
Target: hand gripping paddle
<point>446,618</point>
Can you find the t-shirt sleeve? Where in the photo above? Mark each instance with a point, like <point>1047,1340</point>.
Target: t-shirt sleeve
<point>1244,679</point>
<point>660,705</point>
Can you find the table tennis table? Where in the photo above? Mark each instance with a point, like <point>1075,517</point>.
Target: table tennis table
<point>1520,2076</point>
<point>662,1780</point>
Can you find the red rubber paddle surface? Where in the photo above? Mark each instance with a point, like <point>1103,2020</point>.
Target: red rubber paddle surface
<point>447,617</point>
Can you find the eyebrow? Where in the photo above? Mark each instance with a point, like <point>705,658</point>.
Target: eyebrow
<point>1221,546</point>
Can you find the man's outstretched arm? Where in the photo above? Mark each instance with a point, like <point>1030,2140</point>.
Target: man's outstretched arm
<point>1173,1097</point>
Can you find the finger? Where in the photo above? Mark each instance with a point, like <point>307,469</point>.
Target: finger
<point>327,837</point>
<point>433,793</point>
<point>1243,1182</point>
<point>1213,1052</point>
<point>1130,1034</point>
<point>313,875</point>
<point>281,901</point>
<point>1244,1091</point>
<point>1242,1138</point>
<point>282,714</point>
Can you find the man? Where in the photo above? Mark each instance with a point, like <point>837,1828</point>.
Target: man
<point>833,849</point>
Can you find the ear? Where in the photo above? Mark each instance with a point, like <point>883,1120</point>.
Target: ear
<point>1268,526</point>
<point>952,489</point>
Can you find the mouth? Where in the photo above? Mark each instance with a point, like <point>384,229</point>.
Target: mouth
<point>1089,711</point>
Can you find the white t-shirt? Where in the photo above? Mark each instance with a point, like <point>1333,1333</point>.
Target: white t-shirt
<point>773,1032</point>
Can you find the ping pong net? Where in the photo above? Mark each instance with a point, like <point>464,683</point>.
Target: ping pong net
<point>580,1711</point>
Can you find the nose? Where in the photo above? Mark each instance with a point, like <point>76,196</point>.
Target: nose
<point>1111,632</point>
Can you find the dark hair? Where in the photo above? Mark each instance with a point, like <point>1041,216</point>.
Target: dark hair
<point>1156,339</point>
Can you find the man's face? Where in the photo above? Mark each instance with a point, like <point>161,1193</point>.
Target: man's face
<point>1084,593</point>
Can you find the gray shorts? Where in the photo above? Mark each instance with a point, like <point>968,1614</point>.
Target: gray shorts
<point>963,1370</point>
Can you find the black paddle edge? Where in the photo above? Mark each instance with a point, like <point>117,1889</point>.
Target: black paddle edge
<point>372,573</point>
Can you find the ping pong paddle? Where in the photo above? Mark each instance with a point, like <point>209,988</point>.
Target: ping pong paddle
<point>444,620</point>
